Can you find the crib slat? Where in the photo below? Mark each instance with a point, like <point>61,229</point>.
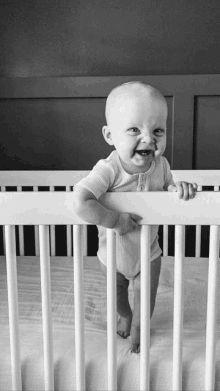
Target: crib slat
<point>165,240</point>
<point>85,244</point>
<point>79,308</point>
<point>111,310</point>
<point>52,240</point>
<point>36,240</point>
<point>68,233</point>
<point>46,307</point>
<point>68,240</point>
<point>52,234</point>
<point>211,308</point>
<point>36,233</point>
<point>145,309</point>
<point>21,239</point>
<point>198,240</point>
<point>3,189</point>
<point>198,234</point>
<point>21,232</point>
<point>13,306</point>
<point>178,307</point>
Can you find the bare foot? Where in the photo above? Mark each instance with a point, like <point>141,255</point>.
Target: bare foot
<point>124,326</point>
<point>135,339</point>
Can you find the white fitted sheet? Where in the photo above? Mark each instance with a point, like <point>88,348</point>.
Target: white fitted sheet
<point>195,289</point>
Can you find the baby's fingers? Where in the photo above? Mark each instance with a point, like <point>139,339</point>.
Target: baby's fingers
<point>134,221</point>
<point>195,186</point>
<point>186,190</point>
<point>135,217</point>
<point>192,190</point>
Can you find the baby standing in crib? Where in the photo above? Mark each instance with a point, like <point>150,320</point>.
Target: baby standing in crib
<point>136,116</point>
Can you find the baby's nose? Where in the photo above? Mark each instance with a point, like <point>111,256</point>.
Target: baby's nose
<point>147,138</point>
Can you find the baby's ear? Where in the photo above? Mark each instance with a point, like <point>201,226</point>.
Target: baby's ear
<point>107,135</point>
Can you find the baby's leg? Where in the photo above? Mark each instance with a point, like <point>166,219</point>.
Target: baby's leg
<point>123,306</point>
<point>135,327</point>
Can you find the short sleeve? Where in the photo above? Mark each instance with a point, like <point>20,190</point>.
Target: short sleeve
<point>100,179</point>
<point>168,177</point>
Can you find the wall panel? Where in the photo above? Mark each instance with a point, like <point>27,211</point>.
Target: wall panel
<point>55,123</point>
<point>52,133</point>
<point>207,133</point>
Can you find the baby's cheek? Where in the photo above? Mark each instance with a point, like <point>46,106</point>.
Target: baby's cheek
<point>157,153</point>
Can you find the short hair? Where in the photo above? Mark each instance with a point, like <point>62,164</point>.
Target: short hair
<point>120,89</point>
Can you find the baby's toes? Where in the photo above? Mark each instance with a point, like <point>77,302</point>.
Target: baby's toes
<point>123,334</point>
<point>124,327</point>
<point>135,347</point>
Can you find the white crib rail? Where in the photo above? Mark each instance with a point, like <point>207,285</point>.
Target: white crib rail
<point>178,306</point>
<point>46,307</point>
<point>13,307</point>
<point>198,234</point>
<point>79,308</point>
<point>69,178</point>
<point>111,310</point>
<point>37,208</point>
<point>145,309</point>
<point>211,308</point>
<point>50,179</point>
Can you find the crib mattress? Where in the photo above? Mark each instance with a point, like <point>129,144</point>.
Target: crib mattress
<point>195,288</point>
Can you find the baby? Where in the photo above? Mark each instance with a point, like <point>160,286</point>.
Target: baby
<point>136,116</point>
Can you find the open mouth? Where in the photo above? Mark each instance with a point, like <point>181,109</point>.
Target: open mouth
<point>145,152</point>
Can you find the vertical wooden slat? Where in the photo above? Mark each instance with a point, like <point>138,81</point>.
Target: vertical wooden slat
<point>13,306</point>
<point>68,233</point>
<point>3,188</point>
<point>198,234</point>
<point>165,240</point>
<point>198,240</point>
<point>211,309</point>
<point>46,307</point>
<point>52,235</point>
<point>21,232</point>
<point>36,234</point>
<point>145,309</point>
<point>68,239</point>
<point>111,310</point>
<point>178,307</point>
<point>79,308</point>
<point>85,240</point>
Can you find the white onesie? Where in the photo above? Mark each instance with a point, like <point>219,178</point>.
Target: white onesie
<point>108,175</point>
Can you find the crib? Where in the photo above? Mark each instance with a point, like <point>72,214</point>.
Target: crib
<point>58,337</point>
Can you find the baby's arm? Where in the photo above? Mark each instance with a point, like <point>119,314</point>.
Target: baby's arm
<point>185,190</point>
<point>89,209</point>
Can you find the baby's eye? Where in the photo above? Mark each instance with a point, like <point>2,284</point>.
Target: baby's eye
<point>134,130</point>
<point>159,132</point>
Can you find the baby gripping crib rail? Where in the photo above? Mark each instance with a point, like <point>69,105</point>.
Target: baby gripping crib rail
<point>53,179</point>
<point>44,209</point>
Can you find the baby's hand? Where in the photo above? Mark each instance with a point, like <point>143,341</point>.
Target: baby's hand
<point>127,222</point>
<point>185,190</point>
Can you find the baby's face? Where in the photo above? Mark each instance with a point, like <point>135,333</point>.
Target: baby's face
<point>137,129</point>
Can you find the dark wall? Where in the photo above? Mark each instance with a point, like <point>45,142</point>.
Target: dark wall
<point>114,37</point>
<point>98,38</point>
